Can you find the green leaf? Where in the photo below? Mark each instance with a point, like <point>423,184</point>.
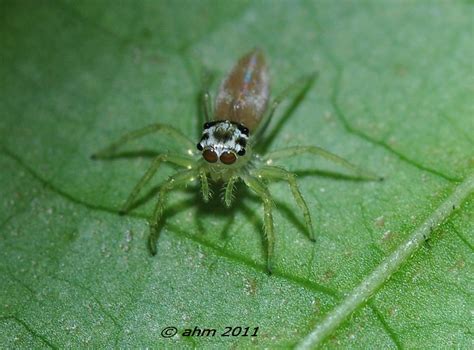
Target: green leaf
<point>392,266</point>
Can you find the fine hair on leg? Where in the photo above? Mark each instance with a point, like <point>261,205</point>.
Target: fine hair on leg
<point>261,191</point>
<point>181,178</point>
<point>277,173</point>
<point>229,191</point>
<point>184,162</point>
<point>270,157</point>
<point>133,135</point>
<point>205,191</point>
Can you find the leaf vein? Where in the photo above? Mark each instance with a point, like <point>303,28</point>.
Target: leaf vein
<point>390,332</point>
<point>30,330</point>
<point>463,239</point>
<point>368,286</point>
<point>350,129</point>
<point>89,291</point>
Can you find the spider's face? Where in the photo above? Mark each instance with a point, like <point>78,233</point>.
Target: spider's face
<point>223,142</point>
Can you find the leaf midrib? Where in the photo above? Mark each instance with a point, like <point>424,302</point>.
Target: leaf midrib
<point>359,295</point>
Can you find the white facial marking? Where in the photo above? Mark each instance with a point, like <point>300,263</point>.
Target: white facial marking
<point>224,136</point>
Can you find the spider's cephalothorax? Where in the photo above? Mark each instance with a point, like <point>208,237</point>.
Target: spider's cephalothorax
<point>238,121</point>
<point>223,141</point>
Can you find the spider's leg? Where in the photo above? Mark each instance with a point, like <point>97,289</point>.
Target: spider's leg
<point>133,135</point>
<point>302,83</point>
<point>206,194</point>
<point>270,157</point>
<point>180,179</point>
<point>184,162</point>
<point>229,191</point>
<point>261,190</point>
<point>207,105</point>
<point>206,97</point>
<point>277,173</point>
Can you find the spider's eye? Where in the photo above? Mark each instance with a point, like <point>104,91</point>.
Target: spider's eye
<point>210,156</point>
<point>228,158</point>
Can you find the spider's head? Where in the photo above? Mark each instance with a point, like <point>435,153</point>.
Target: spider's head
<point>223,142</point>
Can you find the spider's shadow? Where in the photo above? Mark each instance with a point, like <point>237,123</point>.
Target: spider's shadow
<point>328,174</point>
<point>132,154</point>
<point>215,209</point>
<point>268,138</point>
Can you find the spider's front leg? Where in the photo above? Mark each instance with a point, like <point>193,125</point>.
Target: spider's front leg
<point>270,157</point>
<point>262,191</point>
<point>133,135</point>
<point>277,173</point>
<point>184,162</point>
<point>178,180</point>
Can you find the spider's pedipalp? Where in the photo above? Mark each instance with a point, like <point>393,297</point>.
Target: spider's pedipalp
<point>229,191</point>
<point>206,193</point>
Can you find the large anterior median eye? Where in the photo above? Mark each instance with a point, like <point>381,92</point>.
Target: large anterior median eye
<point>210,156</point>
<point>228,157</point>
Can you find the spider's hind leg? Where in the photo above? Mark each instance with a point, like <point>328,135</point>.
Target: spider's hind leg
<point>207,78</point>
<point>302,85</point>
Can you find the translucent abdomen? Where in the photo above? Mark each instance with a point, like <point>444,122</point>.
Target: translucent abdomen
<point>244,93</point>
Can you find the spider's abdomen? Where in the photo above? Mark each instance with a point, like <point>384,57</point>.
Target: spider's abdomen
<point>244,93</point>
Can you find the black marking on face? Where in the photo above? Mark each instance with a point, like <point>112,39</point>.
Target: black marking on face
<point>207,125</point>
<point>241,141</point>
<point>241,152</point>
<point>243,129</point>
<point>227,136</point>
<point>204,137</point>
